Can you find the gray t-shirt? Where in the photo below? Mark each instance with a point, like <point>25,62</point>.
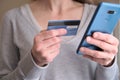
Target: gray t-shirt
<point>16,63</point>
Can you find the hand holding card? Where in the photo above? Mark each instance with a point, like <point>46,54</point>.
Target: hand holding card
<point>70,25</point>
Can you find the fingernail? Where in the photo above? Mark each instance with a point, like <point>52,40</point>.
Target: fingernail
<point>88,39</point>
<point>95,35</point>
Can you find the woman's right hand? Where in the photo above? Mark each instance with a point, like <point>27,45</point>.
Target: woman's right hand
<point>46,46</point>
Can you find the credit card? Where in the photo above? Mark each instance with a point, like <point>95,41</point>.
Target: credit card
<point>70,25</point>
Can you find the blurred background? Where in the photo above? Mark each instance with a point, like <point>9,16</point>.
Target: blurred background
<point>6,5</point>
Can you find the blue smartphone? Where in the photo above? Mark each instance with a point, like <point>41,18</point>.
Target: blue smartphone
<point>104,20</point>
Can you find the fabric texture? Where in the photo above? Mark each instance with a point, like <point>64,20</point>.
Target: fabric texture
<point>16,63</point>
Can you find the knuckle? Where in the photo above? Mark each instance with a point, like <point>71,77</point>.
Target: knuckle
<point>38,47</point>
<point>102,44</point>
<point>43,52</point>
<point>38,38</point>
<point>96,55</point>
<point>107,37</point>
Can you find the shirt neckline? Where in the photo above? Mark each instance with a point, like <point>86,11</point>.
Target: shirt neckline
<point>70,38</point>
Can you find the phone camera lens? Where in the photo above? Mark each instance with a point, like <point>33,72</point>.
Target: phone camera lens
<point>111,12</point>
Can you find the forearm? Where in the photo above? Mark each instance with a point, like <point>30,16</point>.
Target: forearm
<point>26,70</point>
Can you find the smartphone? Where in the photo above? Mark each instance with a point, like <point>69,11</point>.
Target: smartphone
<point>104,20</point>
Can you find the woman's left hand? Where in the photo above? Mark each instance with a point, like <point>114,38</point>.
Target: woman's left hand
<point>109,45</point>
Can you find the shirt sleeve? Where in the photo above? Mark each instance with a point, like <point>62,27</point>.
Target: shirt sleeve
<point>11,66</point>
<point>107,73</point>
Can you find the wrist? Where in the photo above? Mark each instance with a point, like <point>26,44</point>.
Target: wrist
<point>110,64</point>
<point>38,62</point>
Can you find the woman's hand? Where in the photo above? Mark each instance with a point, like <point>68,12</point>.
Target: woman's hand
<point>46,46</point>
<point>107,42</point>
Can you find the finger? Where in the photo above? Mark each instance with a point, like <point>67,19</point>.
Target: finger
<point>106,37</point>
<point>53,48</point>
<point>103,45</point>
<point>51,41</point>
<point>52,33</point>
<point>103,62</point>
<point>95,53</point>
<point>54,53</point>
<point>46,51</point>
<point>50,57</point>
<point>49,54</point>
<point>47,44</point>
<point>44,35</point>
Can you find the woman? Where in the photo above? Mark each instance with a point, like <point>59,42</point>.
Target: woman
<point>30,52</point>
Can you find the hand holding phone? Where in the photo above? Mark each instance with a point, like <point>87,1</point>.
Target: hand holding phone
<point>104,20</point>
